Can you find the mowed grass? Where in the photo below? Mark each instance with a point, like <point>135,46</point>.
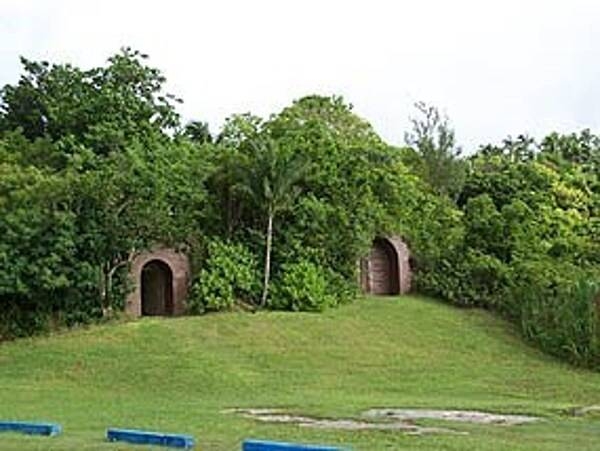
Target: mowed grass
<point>178,375</point>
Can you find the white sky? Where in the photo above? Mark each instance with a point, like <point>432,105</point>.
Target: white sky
<point>497,68</point>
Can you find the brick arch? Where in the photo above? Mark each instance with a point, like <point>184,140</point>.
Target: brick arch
<point>179,266</point>
<point>386,270</point>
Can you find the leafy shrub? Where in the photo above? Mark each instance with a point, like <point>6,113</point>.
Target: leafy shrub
<point>229,274</point>
<point>17,321</point>
<point>559,311</point>
<point>467,279</point>
<point>303,286</point>
<point>342,289</point>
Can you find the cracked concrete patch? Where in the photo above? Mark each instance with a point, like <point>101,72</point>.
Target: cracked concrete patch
<point>279,416</point>
<point>465,416</point>
<point>401,420</point>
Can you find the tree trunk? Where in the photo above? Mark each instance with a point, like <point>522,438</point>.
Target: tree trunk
<point>105,288</point>
<point>106,283</point>
<point>102,285</point>
<point>265,292</point>
<point>107,311</point>
<point>229,213</point>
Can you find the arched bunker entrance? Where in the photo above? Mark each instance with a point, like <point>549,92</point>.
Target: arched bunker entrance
<point>386,270</point>
<point>160,282</point>
<point>157,289</point>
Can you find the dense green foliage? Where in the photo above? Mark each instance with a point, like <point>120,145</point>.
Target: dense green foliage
<point>530,243</point>
<point>95,166</point>
<point>89,176</point>
<point>321,184</point>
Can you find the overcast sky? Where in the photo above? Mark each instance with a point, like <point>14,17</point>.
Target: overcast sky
<point>497,68</point>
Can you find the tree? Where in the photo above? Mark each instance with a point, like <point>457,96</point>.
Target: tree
<point>40,273</point>
<point>578,148</point>
<point>103,109</point>
<point>521,149</point>
<point>271,179</point>
<point>198,132</point>
<point>340,195</point>
<point>232,152</point>
<point>437,156</point>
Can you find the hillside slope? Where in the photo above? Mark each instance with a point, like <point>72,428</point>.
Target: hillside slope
<point>179,375</point>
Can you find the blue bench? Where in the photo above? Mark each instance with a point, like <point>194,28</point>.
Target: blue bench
<point>25,427</point>
<point>150,438</point>
<point>261,445</point>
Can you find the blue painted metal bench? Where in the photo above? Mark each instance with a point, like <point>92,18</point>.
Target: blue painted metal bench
<point>150,438</point>
<point>262,445</point>
<point>32,428</point>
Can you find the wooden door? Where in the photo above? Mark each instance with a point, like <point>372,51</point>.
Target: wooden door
<point>383,268</point>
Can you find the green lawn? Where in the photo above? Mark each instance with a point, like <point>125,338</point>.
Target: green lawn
<point>178,374</point>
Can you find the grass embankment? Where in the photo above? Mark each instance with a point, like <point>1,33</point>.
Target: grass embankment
<point>178,375</point>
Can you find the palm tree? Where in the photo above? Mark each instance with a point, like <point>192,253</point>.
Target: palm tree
<point>271,179</point>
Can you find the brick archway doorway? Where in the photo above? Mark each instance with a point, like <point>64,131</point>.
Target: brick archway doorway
<point>160,278</point>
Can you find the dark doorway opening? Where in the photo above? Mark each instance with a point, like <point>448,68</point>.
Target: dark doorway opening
<point>157,289</point>
<point>383,268</point>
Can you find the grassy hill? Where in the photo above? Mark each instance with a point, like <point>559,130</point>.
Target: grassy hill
<point>178,375</point>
